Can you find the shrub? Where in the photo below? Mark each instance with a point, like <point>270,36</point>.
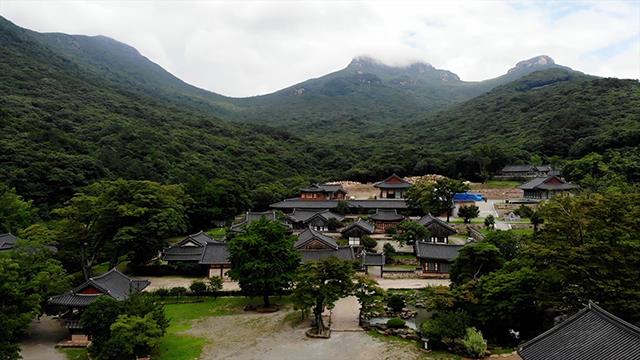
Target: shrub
<point>333,224</point>
<point>368,242</point>
<point>445,327</point>
<point>178,291</point>
<point>215,283</point>
<point>391,231</point>
<point>132,336</point>
<point>474,344</point>
<point>198,287</point>
<point>189,269</point>
<point>388,250</point>
<point>395,302</point>
<point>161,292</point>
<point>395,323</point>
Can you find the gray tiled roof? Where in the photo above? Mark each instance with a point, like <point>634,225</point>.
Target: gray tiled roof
<point>364,225</point>
<point>369,259</point>
<point>591,334</point>
<point>296,203</point>
<point>310,235</point>
<point>112,283</point>
<point>429,250</point>
<point>252,216</point>
<point>215,253</point>
<point>386,215</point>
<point>517,168</point>
<point>436,226</point>
<point>331,188</point>
<point>385,184</point>
<point>7,241</point>
<point>542,183</point>
<point>183,253</point>
<point>306,215</point>
<point>342,253</point>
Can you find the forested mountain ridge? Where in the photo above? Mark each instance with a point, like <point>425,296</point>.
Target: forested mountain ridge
<point>368,92</point>
<point>75,109</point>
<point>65,124</point>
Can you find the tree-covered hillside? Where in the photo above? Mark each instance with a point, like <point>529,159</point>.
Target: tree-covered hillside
<point>76,109</point>
<point>65,123</point>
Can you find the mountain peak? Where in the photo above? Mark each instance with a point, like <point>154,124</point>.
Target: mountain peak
<point>534,62</point>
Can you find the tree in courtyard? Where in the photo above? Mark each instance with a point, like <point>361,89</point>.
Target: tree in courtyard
<point>435,198</point>
<point>333,224</point>
<point>263,259</point>
<point>408,232</point>
<point>475,260</point>
<point>536,220</point>
<point>109,219</point>
<point>370,296</point>
<point>368,242</point>
<point>389,252</point>
<point>99,317</point>
<point>319,284</point>
<point>468,212</point>
<point>215,283</point>
<point>28,276</point>
<point>489,222</point>
<point>132,337</point>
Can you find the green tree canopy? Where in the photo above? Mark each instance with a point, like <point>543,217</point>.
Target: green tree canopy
<point>435,198</point>
<point>319,284</point>
<point>15,213</point>
<point>475,260</point>
<point>109,219</point>
<point>468,212</point>
<point>408,232</point>
<point>263,259</point>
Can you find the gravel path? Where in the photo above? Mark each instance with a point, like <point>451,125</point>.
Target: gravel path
<point>272,337</point>
<point>411,283</point>
<point>43,335</point>
<point>344,316</point>
<point>173,281</point>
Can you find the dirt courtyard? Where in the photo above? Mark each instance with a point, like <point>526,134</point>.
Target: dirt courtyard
<point>277,337</point>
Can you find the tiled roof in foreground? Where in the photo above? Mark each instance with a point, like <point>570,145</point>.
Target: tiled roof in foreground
<point>591,334</point>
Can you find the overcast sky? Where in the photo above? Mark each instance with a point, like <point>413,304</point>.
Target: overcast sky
<point>244,48</point>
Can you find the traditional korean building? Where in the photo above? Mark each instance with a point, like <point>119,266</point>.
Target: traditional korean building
<point>373,264</point>
<point>7,241</point>
<point>440,230</point>
<point>525,171</point>
<point>251,216</point>
<point>546,187</point>
<point>202,249</point>
<point>385,219</point>
<point>69,306</point>
<point>317,220</point>
<point>356,230</point>
<point>393,187</point>
<point>436,258</point>
<point>591,334</point>
<point>314,245</point>
<point>355,206</point>
<point>323,192</point>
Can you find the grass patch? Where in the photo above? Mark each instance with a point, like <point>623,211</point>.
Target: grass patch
<point>175,345</point>
<point>403,256</point>
<point>497,184</point>
<point>416,346</point>
<point>75,353</point>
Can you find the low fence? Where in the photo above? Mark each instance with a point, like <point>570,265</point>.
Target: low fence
<point>400,274</point>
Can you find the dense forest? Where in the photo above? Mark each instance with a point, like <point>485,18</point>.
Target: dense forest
<point>78,109</point>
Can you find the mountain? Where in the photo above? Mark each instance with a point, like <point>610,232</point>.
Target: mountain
<point>75,109</point>
<point>368,93</point>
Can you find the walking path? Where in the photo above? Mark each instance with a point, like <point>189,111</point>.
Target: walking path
<point>344,316</point>
<point>44,334</point>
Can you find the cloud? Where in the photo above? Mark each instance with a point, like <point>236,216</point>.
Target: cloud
<point>245,48</point>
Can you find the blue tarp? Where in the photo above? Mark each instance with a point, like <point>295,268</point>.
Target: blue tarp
<point>467,197</point>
